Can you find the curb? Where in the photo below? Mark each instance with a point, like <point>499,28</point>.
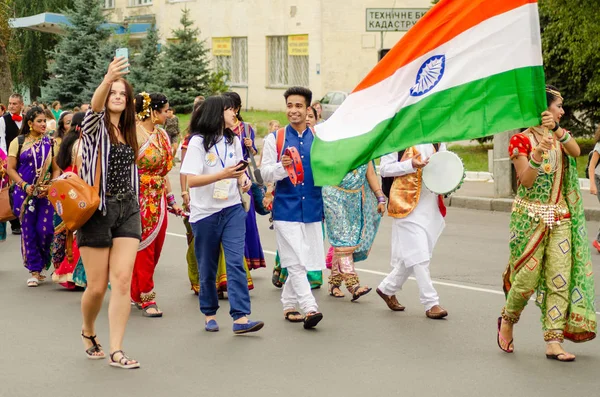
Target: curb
<point>501,205</point>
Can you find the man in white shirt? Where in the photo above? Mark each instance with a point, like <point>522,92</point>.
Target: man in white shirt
<point>10,125</point>
<point>418,223</point>
<point>297,209</point>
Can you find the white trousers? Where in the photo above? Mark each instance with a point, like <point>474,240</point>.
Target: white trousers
<point>400,273</point>
<point>300,247</point>
<point>296,291</point>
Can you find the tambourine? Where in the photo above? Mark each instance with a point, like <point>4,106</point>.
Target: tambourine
<point>444,174</point>
<point>295,170</point>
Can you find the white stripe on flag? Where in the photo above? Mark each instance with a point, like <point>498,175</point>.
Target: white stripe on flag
<point>499,44</point>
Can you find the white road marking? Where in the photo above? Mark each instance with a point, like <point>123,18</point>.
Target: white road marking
<point>445,284</point>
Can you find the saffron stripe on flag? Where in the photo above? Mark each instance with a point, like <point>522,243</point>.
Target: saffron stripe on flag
<point>495,46</point>
<point>474,110</point>
<point>442,23</point>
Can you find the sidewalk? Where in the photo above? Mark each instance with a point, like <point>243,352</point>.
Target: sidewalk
<point>479,195</point>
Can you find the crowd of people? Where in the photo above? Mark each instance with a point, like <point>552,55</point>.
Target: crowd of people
<point>125,144</point>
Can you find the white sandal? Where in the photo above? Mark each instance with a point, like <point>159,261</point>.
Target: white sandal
<point>33,282</point>
<point>124,362</point>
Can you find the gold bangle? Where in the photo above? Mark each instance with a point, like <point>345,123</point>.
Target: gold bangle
<point>184,193</point>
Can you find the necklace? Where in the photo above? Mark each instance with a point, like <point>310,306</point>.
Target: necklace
<point>550,159</point>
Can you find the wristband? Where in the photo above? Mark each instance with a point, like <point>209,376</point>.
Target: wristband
<point>184,193</point>
<point>381,199</point>
<point>534,165</point>
<point>556,127</point>
<point>566,138</point>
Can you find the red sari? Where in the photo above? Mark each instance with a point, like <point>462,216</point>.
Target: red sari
<point>155,160</point>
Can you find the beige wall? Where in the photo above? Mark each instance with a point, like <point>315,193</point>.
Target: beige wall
<point>339,46</point>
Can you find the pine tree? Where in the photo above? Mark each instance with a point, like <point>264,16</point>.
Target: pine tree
<point>81,55</point>
<point>145,66</point>
<point>185,67</point>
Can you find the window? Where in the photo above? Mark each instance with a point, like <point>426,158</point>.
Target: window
<point>338,98</point>
<point>109,3</point>
<point>135,3</point>
<point>288,60</point>
<point>231,55</point>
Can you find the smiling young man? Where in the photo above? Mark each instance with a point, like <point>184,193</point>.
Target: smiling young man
<point>10,125</point>
<point>297,209</point>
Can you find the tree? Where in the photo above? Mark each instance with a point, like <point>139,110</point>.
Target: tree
<point>29,47</point>
<point>6,85</point>
<point>571,49</point>
<point>81,57</point>
<point>145,66</point>
<point>185,67</point>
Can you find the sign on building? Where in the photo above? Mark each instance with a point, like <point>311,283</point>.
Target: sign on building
<point>221,46</point>
<point>298,45</point>
<point>393,19</point>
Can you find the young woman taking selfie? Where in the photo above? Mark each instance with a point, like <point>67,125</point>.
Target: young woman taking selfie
<point>109,241</point>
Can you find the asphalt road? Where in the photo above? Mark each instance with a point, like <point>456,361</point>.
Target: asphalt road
<point>360,349</point>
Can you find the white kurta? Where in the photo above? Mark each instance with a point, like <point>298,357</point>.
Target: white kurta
<point>300,244</point>
<point>414,237</point>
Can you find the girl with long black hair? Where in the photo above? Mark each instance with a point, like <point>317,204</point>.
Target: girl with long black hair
<point>68,272</point>
<point>215,175</point>
<point>32,164</point>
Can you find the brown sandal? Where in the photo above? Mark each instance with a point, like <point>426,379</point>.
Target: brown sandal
<point>333,289</point>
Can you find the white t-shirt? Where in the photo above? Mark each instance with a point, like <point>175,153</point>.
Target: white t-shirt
<point>198,162</point>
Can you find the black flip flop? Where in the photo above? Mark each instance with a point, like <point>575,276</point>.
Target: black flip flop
<point>311,320</point>
<point>298,320</point>
<point>557,357</point>
<point>275,278</point>
<point>355,296</point>
<point>152,306</point>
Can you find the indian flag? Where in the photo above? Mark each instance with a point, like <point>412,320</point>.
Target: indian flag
<point>467,69</point>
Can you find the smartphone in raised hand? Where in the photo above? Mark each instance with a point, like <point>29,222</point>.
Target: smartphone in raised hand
<point>123,52</point>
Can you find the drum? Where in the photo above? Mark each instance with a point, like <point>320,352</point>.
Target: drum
<point>295,170</point>
<point>444,174</point>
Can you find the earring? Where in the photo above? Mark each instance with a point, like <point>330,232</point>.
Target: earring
<point>154,119</point>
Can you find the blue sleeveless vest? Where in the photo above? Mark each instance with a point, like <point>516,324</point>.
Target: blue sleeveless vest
<point>303,202</point>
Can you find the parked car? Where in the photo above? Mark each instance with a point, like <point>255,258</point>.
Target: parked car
<point>331,101</point>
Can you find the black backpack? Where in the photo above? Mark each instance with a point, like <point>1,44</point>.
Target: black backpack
<point>587,167</point>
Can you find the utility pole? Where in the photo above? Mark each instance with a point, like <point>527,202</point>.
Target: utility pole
<point>503,173</point>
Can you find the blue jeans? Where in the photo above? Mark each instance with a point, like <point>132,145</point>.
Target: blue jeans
<point>228,228</point>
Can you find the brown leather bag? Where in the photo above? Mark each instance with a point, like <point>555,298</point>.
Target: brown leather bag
<point>73,199</point>
<point>6,213</point>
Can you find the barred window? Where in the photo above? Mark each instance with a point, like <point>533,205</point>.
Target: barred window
<point>140,2</point>
<point>286,69</point>
<point>236,63</point>
<point>109,3</point>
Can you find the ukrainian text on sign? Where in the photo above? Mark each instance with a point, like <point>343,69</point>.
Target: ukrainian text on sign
<point>393,19</point>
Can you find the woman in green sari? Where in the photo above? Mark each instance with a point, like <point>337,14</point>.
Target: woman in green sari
<point>549,249</point>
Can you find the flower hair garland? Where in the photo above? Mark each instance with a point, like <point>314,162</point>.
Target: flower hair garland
<point>145,113</point>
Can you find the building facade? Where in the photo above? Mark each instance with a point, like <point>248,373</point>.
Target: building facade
<point>269,45</point>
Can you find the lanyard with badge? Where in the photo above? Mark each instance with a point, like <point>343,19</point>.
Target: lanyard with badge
<point>221,189</point>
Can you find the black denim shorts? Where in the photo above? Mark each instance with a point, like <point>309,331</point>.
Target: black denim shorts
<point>122,219</point>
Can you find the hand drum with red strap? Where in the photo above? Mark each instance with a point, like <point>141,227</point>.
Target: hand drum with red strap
<point>295,170</point>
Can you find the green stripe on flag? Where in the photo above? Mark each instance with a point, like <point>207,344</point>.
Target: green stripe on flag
<point>502,102</point>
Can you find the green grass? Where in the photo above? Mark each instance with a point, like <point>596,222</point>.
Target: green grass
<point>475,158</point>
<point>258,118</point>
